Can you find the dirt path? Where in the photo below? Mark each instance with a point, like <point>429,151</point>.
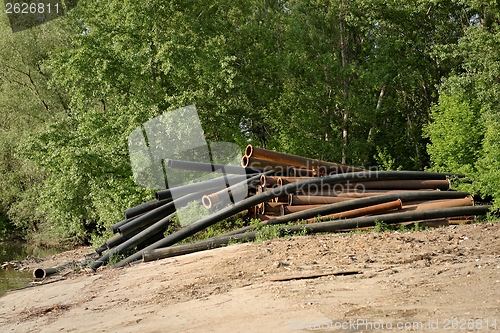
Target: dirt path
<point>441,280</point>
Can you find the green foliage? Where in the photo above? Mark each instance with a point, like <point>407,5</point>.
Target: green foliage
<point>381,226</point>
<point>456,133</point>
<point>346,81</point>
<point>468,106</point>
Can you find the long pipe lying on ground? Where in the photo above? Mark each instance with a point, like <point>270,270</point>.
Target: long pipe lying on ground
<point>330,226</point>
<point>468,201</point>
<point>369,210</point>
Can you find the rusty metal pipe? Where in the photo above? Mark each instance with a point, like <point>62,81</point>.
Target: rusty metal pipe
<point>268,180</point>
<point>296,200</point>
<point>468,201</point>
<point>257,163</point>
<point>302,172</point>
<point>295,209</point>
<point>211,199</point>
<point>351,193</point>
<point>369,210</point>
<point>443,185</point>
<point>272,208</point>
<point>354,204</point>
<point>297,161</point>
<point>287,180</point>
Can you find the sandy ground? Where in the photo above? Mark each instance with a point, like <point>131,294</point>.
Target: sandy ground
<point>440,280</point>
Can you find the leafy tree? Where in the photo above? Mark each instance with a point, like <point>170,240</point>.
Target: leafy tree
<point>473,91</point>
<point>27,104</point>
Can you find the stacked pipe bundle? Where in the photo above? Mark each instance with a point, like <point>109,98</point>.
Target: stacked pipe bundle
<point>286,188</point>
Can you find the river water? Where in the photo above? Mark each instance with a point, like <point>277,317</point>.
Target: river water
<point>12,279</point>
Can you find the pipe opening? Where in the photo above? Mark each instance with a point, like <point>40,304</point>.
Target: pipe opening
<point>249,150</point>
<point>206,201</point>
<point>245,161</point>
<point>39,273</point>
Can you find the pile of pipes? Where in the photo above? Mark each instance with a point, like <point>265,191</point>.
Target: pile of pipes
<point>280,188</point>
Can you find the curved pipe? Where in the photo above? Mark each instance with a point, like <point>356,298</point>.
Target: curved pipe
<point>330,226</point>
<point>287,189</point>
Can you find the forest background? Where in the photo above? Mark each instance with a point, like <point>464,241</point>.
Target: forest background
<point>402,85</point>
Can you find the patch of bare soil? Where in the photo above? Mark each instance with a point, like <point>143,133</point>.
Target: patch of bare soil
<point>440,280</point>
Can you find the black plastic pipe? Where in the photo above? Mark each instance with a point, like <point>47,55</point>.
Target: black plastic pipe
<point>160,212</point>
<point>145,207</point>
<point>195,187</point>
<point>114,227</point>
<point>41,273</point>
<point>207,167</point>
<point>273,193</point>
<point>151,231</point>
<point>329,226</point>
